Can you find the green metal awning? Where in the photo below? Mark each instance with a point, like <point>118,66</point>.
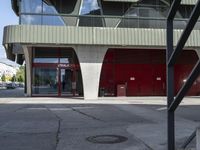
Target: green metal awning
<point>185,2</point>
<point>121,0</point>
<point>189,2</point>
<point>69,35</point>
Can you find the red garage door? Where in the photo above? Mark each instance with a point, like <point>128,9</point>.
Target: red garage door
<point>143,72</point>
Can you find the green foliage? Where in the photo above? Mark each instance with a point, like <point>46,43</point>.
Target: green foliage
<point>20,74</point>
<point>3,78</point>
<point>13,79</point>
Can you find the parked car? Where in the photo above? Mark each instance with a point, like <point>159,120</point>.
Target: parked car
<point>10,85</point>
<point>2,84</point>
<point>21,85</point>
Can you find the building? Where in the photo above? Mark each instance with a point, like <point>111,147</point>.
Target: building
<point>7,70</point>
<point>97,48</point>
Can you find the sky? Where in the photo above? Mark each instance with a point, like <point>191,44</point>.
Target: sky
<point>7,17</point>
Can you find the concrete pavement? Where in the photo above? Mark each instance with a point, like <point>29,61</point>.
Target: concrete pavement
<point>65,124</point>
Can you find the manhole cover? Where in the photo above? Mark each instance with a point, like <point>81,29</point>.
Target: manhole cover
<point>107,139</point>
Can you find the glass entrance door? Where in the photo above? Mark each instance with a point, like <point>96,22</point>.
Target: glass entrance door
<point>66,76</point>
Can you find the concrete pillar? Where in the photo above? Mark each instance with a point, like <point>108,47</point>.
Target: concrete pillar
<point>28,61</point>
<point>90,59</point>
<point>198,139</point>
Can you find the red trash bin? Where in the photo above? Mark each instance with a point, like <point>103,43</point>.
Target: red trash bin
<point>121,90</point>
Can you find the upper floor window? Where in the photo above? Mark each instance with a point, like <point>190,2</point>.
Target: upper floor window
<point>31,6</point>
<point>33,12</point>
<point>89,6</point>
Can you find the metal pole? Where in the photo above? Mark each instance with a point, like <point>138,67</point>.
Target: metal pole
<point>170,86</point>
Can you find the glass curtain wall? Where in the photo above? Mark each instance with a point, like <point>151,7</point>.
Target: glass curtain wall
<point>39,12</point>
<point>90,8</point>
<point>100,13</point>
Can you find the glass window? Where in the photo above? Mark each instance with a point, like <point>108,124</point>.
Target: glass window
<point>49,9</point>
<point>68,56</point>
<point>45,60</point>
<point>89,7</point>
<point>65,60</point>
<point>45,55</point>
<point>31,19</point>
<point>45,81</point>
<point>63,6</point>
<point>144,18</point>
<point>52,20</point>
<point>31,6</point>
<point>54,55</point>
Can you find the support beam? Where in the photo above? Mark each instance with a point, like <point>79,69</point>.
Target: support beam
<point>186,33</point>
<point>173,9</point>
<point>183,91</point>
<point>170,86</point>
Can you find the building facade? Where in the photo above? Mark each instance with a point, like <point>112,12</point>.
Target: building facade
<point>95,48</point>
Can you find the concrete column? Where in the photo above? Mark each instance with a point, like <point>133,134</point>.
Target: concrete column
<point>28,61</point>
<point>198,139</point>
<point>90,59</point>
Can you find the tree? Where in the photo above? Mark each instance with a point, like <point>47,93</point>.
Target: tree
<point>13,79</point>
<point>3,78</point>
<point>20,74</point>
<point>20,79</point>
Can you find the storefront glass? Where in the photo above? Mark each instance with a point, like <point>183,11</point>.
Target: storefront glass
<point>56,72</point>
<point>45,81</point>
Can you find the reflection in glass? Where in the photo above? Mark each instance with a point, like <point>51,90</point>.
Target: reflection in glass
<point>45,60</point>
<point>31,19</point>
<point>40,12</point>
<point>52,20</point>
<point>66,80</point>
<point>63,6</point>
<point>49,9</point>
<point>65,61</point>
<point>31,6</point>
<point>140,22</point>
<point>45,81</point>
<point>89,6</point>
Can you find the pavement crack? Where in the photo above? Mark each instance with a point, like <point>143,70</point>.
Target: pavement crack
<point>146,145</point>
<point>89,116</point>
<point>58,129</point>
<point>58,133</point>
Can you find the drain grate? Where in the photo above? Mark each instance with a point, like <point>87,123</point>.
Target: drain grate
<point>107,139</point>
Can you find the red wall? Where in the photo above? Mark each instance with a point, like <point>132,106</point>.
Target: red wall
<point>144,72</point>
